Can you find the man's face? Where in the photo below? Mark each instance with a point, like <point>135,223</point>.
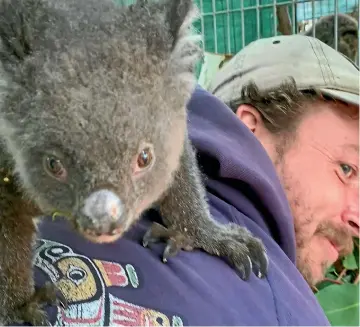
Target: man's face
<point>319,171</point>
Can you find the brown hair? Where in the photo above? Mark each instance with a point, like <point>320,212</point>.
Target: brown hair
<point>281,108</point>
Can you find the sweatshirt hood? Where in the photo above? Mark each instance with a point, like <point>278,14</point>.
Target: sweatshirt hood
<point>238,169</point>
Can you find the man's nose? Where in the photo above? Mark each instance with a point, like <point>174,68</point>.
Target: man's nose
<point>351,213</point>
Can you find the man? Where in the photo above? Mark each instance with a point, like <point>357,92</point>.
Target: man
<point>284,144</point>
<point>309,127</point>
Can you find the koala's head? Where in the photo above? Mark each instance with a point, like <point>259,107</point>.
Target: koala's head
<point>92,104</point>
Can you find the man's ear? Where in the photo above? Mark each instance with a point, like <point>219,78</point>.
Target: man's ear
<point>250,117</point>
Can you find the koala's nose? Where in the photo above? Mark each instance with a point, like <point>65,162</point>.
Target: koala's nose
<point>104,208</point>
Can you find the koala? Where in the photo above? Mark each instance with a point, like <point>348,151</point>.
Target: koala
<point>93,126</point>
<point>348,35</point>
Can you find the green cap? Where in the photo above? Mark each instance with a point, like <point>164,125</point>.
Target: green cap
<point>269,62</point>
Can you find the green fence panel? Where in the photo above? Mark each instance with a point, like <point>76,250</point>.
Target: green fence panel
<point>227,27</point>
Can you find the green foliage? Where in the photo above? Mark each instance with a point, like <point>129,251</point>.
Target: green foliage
<point>338,294</point>
<point>340,304</point>
<point>349,262</point>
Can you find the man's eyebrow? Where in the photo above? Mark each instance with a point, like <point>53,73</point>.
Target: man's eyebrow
<point>352,147</point>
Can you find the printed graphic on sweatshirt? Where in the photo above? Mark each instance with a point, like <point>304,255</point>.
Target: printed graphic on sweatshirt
<point>87,283</point>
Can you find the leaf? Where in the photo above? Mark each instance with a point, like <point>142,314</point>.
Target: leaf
<point>323,284</point>
<point>340,304</point>
<point>349,262</point>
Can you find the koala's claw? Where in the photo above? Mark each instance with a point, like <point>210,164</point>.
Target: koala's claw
<point>235,243</point>
<point>156,233</point>
<point>256,250</point>
<point>243,267</point>
<point>61,301</point>
<point>175,240</point>
<point>172,248</point>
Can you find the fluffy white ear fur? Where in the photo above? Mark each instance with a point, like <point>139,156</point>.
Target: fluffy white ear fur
<point>187,47</point>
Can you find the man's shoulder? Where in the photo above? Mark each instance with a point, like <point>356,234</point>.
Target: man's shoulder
<point>284,291</point>
<point>203,103</point>
<point>113,283</point>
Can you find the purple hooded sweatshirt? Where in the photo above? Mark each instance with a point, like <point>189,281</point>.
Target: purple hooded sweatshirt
<point>128,285</point>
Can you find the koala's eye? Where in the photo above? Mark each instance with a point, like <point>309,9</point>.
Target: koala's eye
<point>145,158</point>
<point>55,167</point>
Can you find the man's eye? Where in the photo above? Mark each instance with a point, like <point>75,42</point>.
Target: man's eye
<point>347,170</point>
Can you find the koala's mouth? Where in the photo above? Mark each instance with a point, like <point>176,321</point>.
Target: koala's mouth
<point>98,230</point>
<point>95,230</point>
<point>97,237</point>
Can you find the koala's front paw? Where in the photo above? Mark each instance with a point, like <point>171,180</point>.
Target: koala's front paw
<point>32,312</point>
<point>235,243</point>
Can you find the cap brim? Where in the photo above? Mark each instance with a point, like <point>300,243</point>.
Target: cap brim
<point>347,97</point>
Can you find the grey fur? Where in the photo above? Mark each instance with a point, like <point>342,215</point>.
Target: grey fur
<point>348,33</point>
<point>93,84</point>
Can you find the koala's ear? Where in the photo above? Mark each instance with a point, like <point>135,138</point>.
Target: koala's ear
<point>23,27</point>
<point>15,38</point>
<point>180,14</point>
<point>186,49</point>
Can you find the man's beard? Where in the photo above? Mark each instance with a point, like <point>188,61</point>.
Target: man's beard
<point>338,235</point>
